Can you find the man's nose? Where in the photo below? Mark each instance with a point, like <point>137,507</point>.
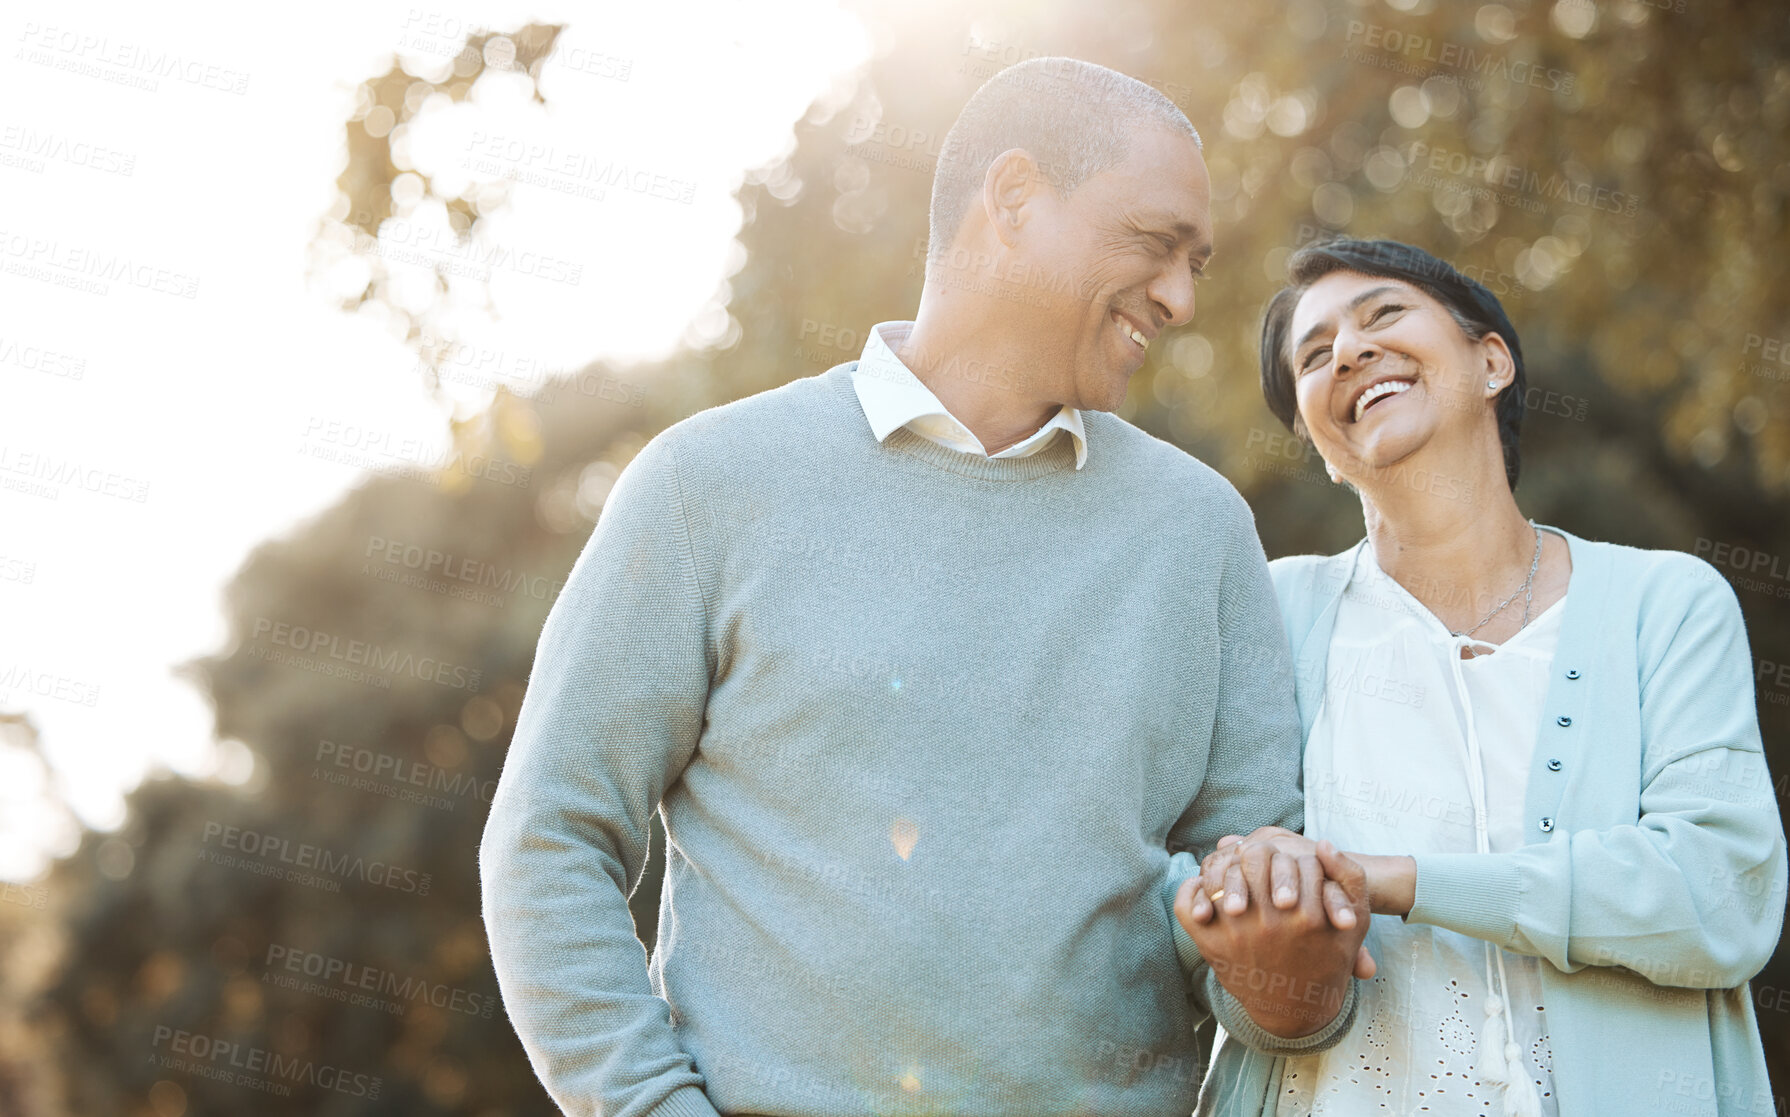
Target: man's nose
<point>1174,295</point>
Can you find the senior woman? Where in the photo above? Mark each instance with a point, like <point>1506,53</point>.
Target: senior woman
<point>1543,750</point>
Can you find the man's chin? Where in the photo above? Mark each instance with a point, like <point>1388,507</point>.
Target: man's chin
<point>1113,397</point>
<point>1104,401</point>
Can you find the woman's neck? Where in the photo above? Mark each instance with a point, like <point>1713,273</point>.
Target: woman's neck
<point>1458,551</point>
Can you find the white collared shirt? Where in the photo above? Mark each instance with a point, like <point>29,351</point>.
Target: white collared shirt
<point>893,397</point>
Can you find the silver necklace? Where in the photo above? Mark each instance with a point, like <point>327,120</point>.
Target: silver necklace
<point>1526,589</point>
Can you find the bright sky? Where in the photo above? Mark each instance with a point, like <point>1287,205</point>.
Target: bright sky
<point>149,440</point>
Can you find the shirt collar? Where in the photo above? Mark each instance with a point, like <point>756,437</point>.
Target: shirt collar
<point>892,396</point>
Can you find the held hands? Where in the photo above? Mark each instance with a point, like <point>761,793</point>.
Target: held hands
<point>1292,863</point>
<point>1289,960</point>
<point>1391,880</point>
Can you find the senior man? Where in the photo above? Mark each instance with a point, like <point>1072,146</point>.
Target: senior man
<point>940,675</point>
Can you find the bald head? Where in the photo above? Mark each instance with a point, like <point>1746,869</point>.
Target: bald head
<point>1074,117</point>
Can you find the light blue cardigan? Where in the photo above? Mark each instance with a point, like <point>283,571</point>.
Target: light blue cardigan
<point>1654,846</point>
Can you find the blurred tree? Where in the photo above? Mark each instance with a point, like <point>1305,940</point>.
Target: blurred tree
<point>30,926</point>
<point>1617,173</point>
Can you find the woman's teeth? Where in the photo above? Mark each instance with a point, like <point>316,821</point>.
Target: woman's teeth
<point>1383,388</point>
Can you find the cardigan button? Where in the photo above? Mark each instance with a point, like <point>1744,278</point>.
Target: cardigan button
<point>1563,721</point>
<point>1553,765</point>
<point>1547,826</point>
<point>1573,674</point>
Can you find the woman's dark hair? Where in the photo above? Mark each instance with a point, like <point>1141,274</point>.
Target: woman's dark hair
<point>1475,309</point>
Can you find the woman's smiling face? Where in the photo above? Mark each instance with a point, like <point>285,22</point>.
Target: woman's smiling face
<point>1381,369</point>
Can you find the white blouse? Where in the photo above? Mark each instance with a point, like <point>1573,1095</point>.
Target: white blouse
<point>1387,771</point>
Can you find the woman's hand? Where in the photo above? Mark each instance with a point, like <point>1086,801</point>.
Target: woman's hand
<point>1278,855</point>
<point>1391,880</point>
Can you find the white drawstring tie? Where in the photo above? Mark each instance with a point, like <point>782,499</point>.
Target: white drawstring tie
<point>1500,1062</point>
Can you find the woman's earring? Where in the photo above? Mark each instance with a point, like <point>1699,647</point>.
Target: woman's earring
<point>1331,470</point>
<point>1491,383</point>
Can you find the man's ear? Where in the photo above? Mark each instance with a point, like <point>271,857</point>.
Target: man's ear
<point>1008,188</point>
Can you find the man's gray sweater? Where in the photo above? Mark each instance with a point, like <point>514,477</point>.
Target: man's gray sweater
<point>925,728</point>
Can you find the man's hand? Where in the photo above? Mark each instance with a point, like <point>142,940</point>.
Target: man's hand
<point>1289,965</point>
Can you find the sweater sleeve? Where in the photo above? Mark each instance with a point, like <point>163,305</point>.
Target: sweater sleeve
<point>1252,770</point>
<point>1692,893</point>
<point>612,714</point>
